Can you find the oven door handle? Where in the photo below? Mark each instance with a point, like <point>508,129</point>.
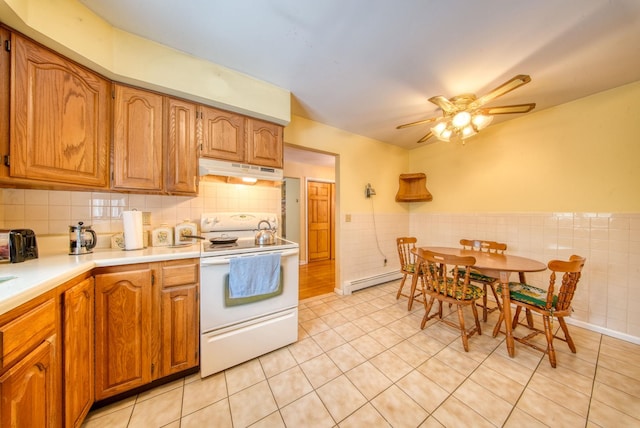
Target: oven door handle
<point>214,261</point>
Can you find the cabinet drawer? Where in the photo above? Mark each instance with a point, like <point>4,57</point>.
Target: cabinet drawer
<point>180,272</point>
<point>26,332</point>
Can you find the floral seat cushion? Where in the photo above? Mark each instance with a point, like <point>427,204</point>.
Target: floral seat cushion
<point>478,277</point>
<point>472,293</point>
<point>411,268</point>
<point>529,294</point>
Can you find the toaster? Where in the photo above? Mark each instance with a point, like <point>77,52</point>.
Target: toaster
<point>17,245</point>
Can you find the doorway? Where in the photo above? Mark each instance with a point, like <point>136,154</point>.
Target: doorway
<point>302,166</point>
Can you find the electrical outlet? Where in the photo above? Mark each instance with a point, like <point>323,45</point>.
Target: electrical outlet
<point>146,218</point>
<point>347,218</point>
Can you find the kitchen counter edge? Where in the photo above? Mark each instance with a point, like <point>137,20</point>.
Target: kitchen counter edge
<point>35,277</point>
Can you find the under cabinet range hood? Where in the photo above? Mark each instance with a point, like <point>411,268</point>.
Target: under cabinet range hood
<point>236,169</point>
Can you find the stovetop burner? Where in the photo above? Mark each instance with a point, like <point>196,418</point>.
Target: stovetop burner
<point>243,243</point>
<point>241,225</point>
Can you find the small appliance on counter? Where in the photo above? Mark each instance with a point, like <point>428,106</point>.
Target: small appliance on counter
<point>82,239</point>
<point>18,245</point>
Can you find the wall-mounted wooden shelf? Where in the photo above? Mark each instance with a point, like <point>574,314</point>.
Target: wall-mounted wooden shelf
<point>413,188</point>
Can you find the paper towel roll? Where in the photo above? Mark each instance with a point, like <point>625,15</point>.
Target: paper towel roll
<point>133,239</point>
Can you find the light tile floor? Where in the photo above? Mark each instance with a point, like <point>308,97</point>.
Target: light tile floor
<point>362,360</point>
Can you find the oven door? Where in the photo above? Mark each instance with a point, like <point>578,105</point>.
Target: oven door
<point>215,310</point>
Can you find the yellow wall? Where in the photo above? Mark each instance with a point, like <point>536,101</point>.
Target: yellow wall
<point>360,161</point>
<point>74,31</point>
<point>578,157</point>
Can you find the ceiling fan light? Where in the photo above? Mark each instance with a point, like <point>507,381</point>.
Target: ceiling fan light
<point>461,119</point>
<point>481,121</point>
<point>439,128</point>
<point>468,131</point>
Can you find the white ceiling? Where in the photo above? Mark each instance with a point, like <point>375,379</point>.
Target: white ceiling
<point>365,66</point>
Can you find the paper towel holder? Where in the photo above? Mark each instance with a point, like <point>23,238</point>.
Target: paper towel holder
<point>133,230</point>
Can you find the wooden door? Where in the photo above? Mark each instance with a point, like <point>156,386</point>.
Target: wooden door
<point>60,127</point>
<point>222,134</point>
<point>137,139</point>
<point>179,323</point>
<point>28,390</point>
<point>265,146</point>
<point>320,220</point>
<point>78,352</point>
<point>181,154</point>
<point>123,331</point>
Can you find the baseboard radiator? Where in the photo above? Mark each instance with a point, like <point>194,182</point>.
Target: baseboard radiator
<point>360,283</point>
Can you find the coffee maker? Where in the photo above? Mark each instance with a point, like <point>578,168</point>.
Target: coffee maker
<point>82,239</point>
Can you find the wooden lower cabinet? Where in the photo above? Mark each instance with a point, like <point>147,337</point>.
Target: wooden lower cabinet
<point>27,390</point>
<point>123,330</point>
<point>30,372</point>
<point>147,323</point>
<point>78,351</point>
<point>180,316</point>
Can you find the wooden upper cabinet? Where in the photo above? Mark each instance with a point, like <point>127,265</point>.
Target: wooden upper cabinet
<point>59,121</point>
<point>181,152</point>
<point>137,139</point>
<point>264,143</point>
<point>5,98</point>
<point>222,134</point>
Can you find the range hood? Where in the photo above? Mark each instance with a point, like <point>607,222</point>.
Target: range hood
<point>236,169</point>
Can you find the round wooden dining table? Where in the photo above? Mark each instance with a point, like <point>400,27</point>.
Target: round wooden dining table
<point>498,266</point>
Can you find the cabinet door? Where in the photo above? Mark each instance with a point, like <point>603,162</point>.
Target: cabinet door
<point>137,139</point>
<point>179,329</point>
<point>27,390</point>
<point>222,135</point>
<point>59,119</point>
<point>265,143</point>
<point>123,331</point>
<point>78,339</point>
<point>179,316</point>
<point>181,154</point>
<point>5,85</point>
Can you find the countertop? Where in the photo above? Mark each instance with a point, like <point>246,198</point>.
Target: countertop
<point>32,278</point>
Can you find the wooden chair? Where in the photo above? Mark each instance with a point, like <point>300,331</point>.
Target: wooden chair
<point>550,303</point>
<point>408,267</point>
<point>443,280</point>
<point>484,280</point>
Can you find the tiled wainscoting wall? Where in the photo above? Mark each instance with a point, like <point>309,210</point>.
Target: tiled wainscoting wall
<point>51,212</point>
<point>608,294</point>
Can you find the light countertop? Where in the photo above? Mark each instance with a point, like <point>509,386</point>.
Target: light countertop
<point>21,282</point>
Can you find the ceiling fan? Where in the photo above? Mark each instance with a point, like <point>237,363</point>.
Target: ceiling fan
<point>463,115</point>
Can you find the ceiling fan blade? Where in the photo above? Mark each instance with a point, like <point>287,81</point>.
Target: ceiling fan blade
<point>508,86</point>
<point>420,122</point>
<point>426,137</point>
<point>516,108</point>
<point>445,104</point>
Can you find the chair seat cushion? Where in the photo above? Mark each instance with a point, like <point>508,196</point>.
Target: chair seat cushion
<point>473,292</point>
<point>478,277</point>
<point>526,293</point>
<point>410,268</point>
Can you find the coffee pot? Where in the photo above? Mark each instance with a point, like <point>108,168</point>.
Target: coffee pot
<point>82,239</point>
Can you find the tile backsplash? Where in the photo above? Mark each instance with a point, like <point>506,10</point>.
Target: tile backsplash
<point>50,212</point>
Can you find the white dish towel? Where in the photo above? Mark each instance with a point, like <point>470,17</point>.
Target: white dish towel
<point>254,275</point>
